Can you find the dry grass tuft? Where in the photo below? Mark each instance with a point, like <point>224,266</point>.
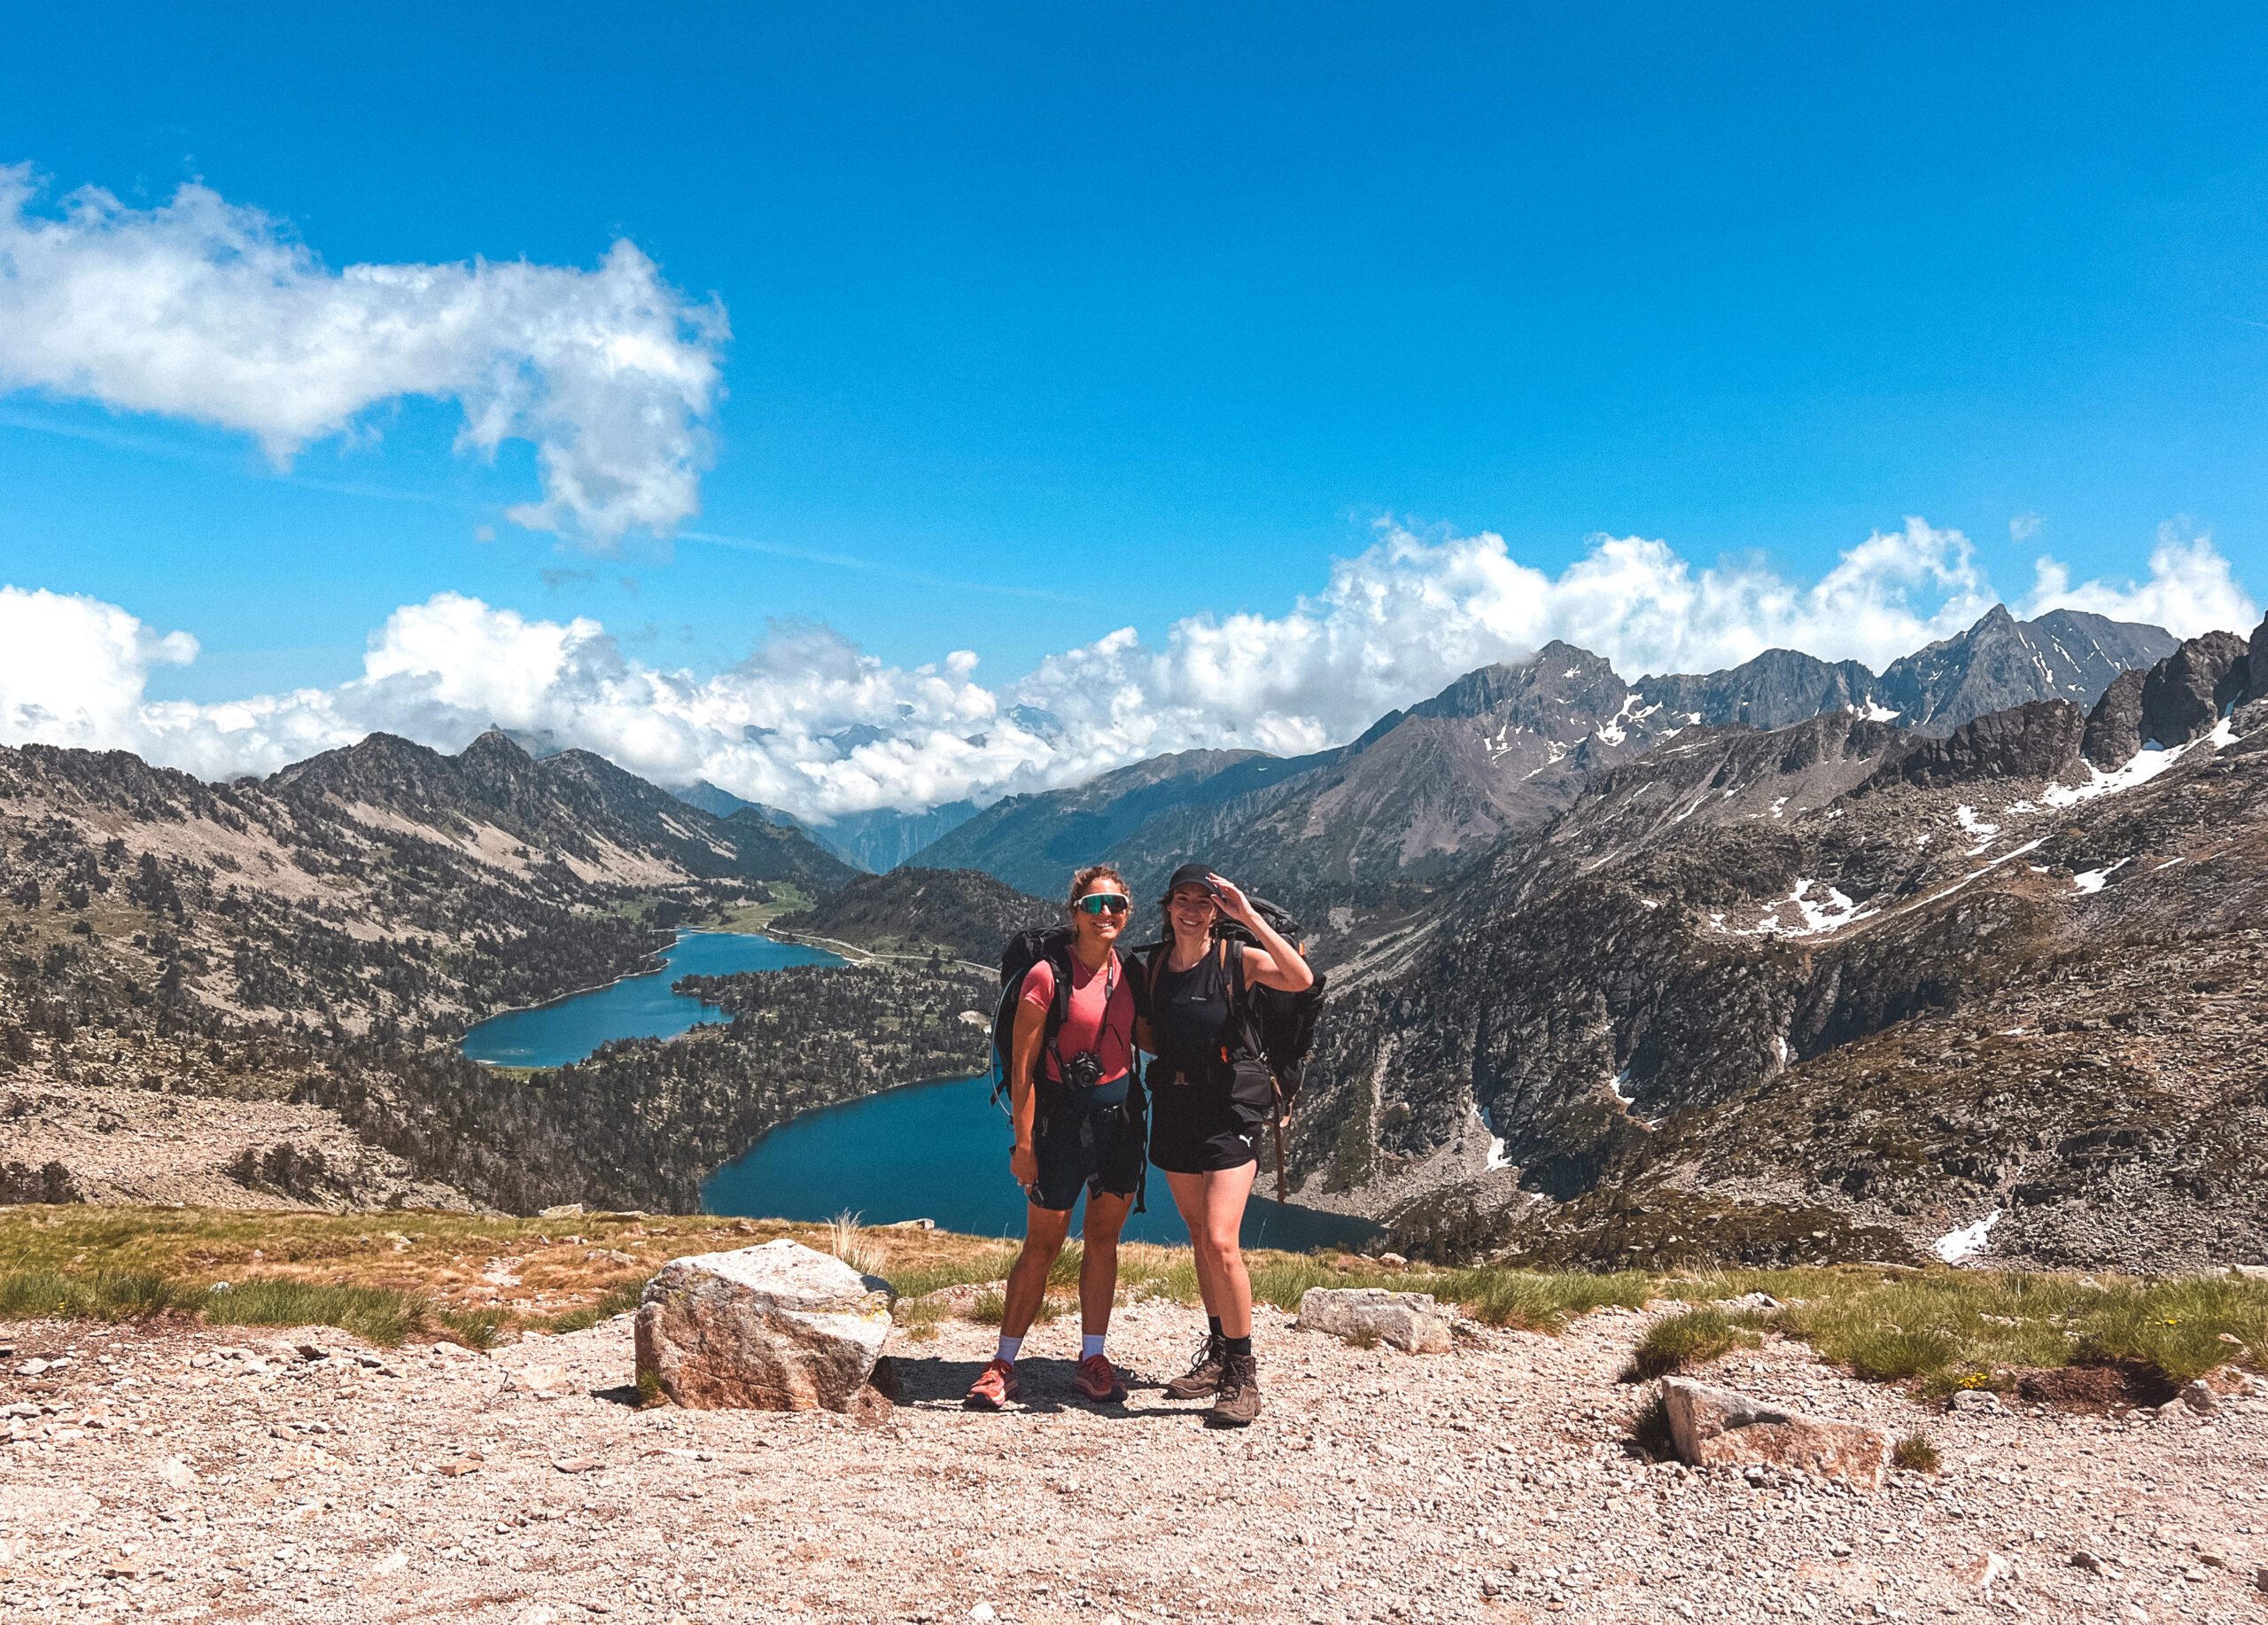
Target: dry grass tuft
<point>1915,1454</point>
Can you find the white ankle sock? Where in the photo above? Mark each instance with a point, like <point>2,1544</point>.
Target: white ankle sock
<point>1090,1344</point>
<point>1008,1348</point>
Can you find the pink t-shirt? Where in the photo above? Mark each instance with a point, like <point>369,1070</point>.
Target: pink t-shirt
<point>1084,1026</point>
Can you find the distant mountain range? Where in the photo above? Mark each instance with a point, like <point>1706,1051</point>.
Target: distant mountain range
<point>1505,748</point>
<point>876,841</point>
<point>1843,989</point>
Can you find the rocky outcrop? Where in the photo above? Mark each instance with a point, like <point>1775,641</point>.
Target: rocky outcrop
<point>1713,1427</point>
<point>2257,664</point>
<point>2037,740</point>
<point>2114,731</point>
<point>2186,692</point>
<point>776,1327</point>
<point>1409,1320</point>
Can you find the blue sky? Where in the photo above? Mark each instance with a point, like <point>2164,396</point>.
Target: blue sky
<point>1159,312</point>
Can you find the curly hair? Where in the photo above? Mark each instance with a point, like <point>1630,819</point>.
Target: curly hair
<point>1087,877</point>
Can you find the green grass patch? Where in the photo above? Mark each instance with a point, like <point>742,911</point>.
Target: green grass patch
<point>375,1314</point>
<point>100,1295</point>
<point>984,1261</point>
<point>1683,1341</point>
<point>1953,1328</point>
<point>475,1328</point>
<point>619,1301</point>
<point>918,1317</point>
<point>1529,1301</point>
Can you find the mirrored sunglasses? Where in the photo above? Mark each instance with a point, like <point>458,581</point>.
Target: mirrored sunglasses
<point>1104,903</point>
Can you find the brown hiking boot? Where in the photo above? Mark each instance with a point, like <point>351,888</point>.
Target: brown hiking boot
<point>1205,1376</point>
<point>1237,1402</point>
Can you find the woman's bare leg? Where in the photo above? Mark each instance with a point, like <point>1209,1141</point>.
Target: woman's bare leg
<point>1098,1264</point>
<point>1044,1232</point>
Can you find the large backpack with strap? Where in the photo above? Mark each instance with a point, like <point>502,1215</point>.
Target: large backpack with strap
<point>1279,1027</point>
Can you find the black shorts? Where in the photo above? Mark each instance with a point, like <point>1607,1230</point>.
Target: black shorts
<point>1098,1150</point>
<point>1205,1123</point>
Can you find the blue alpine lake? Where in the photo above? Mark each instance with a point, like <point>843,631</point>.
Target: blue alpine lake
<point>936,1150</point>
<point>939,1150</point>
<point>568,1030</point>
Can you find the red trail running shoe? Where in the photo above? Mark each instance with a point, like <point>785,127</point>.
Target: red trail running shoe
<point>995,1386</point>
<point>1098,1382</point>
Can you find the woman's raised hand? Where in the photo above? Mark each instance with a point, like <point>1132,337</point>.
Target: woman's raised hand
<point>1233,902</point>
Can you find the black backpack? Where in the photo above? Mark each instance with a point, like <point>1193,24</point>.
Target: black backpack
<point>1281,1025</point>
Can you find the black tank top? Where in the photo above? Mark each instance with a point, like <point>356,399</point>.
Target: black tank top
<point>1189,1012</point>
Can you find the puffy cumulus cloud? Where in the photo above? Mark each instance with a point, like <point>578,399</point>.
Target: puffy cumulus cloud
<point>203,309</point>
<point>72,668</point>
<point>811,723</point>
<point>2191,590</point>
<point>1414,611</point>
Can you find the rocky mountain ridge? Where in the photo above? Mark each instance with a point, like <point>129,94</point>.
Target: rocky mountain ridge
<point>1843,989</point>
<point>1356,837</point>
<point>165,943</point>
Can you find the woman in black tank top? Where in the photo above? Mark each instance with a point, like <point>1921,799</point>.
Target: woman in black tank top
<point>1211,1097</point>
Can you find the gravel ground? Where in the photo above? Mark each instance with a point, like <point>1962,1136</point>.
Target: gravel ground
<point>215,1474</point>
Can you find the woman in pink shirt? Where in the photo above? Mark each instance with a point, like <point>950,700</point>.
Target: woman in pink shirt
<point>1078,1114</point>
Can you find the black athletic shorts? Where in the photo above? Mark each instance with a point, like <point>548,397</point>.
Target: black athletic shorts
<point>1203,1124</point>
<point>1095,1148</point>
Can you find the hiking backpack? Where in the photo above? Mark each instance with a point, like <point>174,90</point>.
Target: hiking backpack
<point>1281,1026</point>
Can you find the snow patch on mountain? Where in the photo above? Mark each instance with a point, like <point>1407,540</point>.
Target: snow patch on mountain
<point>1968,1240</point>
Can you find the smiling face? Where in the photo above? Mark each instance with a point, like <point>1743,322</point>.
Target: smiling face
<point>1192,909</point>
<point>1099,913</point>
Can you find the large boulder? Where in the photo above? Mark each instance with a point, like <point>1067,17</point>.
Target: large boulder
<point>776,1327</point>
<point>1714,1426</point>
<point>1409,1320</point>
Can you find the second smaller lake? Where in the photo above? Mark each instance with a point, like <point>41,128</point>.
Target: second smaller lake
<point>569,1029</point>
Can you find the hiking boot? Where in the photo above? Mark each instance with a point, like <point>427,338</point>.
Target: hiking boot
<point>995,1386</point>
<point>1238,1401</point>
<point>1097,1382</point>
<point>1205,1376</point>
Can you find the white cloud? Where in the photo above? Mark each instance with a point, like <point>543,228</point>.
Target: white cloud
<point>2024,526</point>
<point>1403,619</point>
<point>811,723</point>
<point>203,309</point>
<point>72,668</point>
<point>2191,590</point>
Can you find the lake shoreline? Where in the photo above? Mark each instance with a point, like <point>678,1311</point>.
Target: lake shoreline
<point>684,935</point>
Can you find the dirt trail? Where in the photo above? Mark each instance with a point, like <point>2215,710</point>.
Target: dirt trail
<point>160,1478</point>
